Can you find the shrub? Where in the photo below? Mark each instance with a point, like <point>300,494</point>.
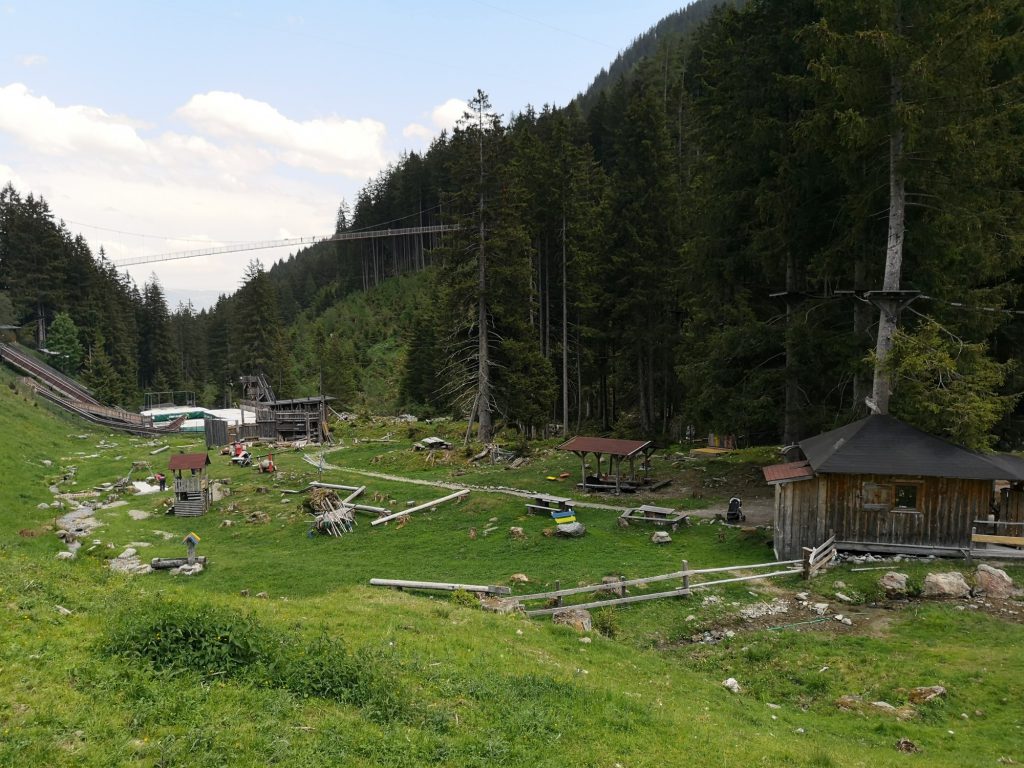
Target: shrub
<point>465,599</point>
<point>185,637</point>
<point>605,621</point>
<point>208,640</point>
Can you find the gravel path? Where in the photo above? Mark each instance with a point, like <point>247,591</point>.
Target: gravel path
<point>481,488</point>
<point>758,511</point>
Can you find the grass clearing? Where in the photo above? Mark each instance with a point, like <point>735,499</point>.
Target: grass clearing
<point>329,671</point>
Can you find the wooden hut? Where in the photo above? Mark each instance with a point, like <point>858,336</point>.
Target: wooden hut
<point>191,484</point>
<point>616,451</point>
<point>884,486</point>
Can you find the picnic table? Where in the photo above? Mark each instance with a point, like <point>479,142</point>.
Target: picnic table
<point>647,513</point>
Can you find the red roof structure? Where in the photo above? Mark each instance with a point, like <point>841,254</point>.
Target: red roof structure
<point>605,445</point>
<point>616,450</point>
<point>193,461</point>
<point>787,473</point>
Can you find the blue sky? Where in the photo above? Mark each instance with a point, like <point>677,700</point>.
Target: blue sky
<point>199,123</point>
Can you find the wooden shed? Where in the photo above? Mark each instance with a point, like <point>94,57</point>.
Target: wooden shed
<point>191,484</point>
<point>885,486</point>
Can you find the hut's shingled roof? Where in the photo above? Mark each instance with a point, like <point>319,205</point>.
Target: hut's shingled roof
<point>883,445</point>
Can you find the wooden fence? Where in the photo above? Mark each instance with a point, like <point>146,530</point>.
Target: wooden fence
<point>1010,546</point>
<point>813,562</point>
<point>684,576</point>
<point>819,557</point>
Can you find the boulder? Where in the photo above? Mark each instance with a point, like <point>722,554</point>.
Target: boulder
<point>731,684</point>
<point>502,605</point>
<point>577,618</point>
<point>945,585</point>
<point>926,693</point>
<point>65,555</point>
<point>519,578</point>
<point>850,702</point>
<point>612,585</point>
<point>571,530</point>
<point>660,537</point>
<point>993,582</point>
<point>515,532</point>
<point>894,584</point>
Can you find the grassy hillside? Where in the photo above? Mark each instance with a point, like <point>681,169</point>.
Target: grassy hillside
<point>160,670</point>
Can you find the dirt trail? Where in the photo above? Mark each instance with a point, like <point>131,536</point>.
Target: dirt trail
<point>758,511</point>
<point>481,488</point>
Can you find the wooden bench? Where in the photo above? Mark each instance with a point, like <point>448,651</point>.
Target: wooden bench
<point>647,513</point>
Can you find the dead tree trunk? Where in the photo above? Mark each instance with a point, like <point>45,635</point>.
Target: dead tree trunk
<point>791,425</point>
<point>484,433</point>
<point>565,339</point>
<point>887,317</point>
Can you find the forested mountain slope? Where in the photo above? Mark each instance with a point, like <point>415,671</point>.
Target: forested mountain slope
<point>694,248</point>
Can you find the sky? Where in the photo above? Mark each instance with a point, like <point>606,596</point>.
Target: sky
<point>159,127</point>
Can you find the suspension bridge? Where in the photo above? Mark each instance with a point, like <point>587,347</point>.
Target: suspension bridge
<point>366,234</point>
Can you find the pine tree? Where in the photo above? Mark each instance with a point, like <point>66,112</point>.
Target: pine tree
<point>99,375</point>
<point>63,342</point>
<point>159,367</point>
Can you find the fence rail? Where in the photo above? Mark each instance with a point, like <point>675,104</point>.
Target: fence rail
<point>817,558</point>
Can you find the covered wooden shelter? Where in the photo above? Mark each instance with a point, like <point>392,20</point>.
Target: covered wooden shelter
<point>616,450</point>
<point>191,490</point>
<point>884,486</point>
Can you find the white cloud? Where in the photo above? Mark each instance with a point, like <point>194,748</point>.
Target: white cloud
<point>7,174</point>
<point>328,145</point>
<point>442,117</point>
<point>449,113</point>
<point>219,181</point>
<point>42,125</point>
<point>417,131</point>
<point>32,60</point>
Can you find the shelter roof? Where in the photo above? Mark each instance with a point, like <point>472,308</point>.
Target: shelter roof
<point>884,445</point>
<point>188,461</point>
<point>610,446</point>
<point>786,473</point>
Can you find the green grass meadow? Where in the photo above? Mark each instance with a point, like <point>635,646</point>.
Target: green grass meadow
<point>159,670</point>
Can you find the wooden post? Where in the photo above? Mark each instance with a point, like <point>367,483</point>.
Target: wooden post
<point>622,589</point>
<point>191,552</point>
<point>558,586</point>
<point>686,575</point>
<point>807,562</point>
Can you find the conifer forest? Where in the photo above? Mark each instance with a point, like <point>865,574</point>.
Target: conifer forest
<point>692,241</point>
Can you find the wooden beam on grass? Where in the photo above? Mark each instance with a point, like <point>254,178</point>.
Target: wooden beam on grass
<point>428,505</point>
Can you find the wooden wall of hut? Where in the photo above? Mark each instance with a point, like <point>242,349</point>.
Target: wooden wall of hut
<point>1011,506</point>
<point>796,513</point>
<point>860,509</point>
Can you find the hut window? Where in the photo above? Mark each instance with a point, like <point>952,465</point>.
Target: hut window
<point>876,497</point>
<point>905,497</point>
